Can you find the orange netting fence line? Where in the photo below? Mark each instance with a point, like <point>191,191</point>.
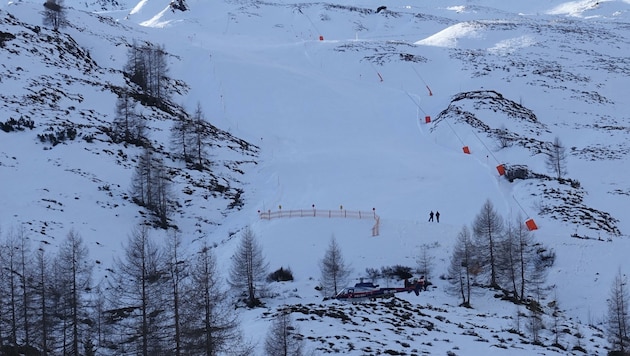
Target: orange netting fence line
<point>319,213</point>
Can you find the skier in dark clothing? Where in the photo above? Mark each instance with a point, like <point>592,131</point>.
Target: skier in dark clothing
<point>437,216</point>
<point>431,216</point>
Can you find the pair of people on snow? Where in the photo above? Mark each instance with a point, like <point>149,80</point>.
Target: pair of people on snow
<point>437,216</point>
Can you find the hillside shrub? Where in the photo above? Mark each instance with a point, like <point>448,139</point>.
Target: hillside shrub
<point>373,273</point>
<point>280,275</point>
<point>16,125</point>
<point>397,272</point>
<point>4,37</point>
<point>59,136</point>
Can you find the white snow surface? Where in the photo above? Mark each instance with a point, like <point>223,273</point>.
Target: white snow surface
<point>340,123</point>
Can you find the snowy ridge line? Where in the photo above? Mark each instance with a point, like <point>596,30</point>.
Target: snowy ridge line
<point>341,213</point>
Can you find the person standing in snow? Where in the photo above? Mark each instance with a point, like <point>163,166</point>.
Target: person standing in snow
<point>437,216</point>
<point>431,216</point>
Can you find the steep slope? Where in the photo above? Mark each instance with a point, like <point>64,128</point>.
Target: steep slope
<point>57,141</point>
<point>340,124</point>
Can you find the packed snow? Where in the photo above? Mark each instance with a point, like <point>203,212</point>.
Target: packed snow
<point>341,123</point>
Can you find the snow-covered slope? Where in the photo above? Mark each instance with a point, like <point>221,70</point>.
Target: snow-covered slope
<point>339,124</point>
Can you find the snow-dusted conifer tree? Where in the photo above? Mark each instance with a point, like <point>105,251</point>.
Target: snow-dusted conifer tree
<point>128,126</point>
<point>210,325</point>
<point>557,159</point>
<point>136,297</point>
<point>618,317</point>
<point>249,267</point>
<point>180,137</point>
<point>425,262</point>
<point>199,138</point>
<point>283,337</point>
<point>488,229</point>
<point>75,274</point>
<point>334,270</point>
<point>151,186</point>
<point>42,299</point>
<point>176,268</point>
<point>516,258</point>
<point>54,14</point>
<point>463,266</point>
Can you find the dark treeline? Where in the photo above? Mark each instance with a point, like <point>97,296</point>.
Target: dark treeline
<point>153,301</point>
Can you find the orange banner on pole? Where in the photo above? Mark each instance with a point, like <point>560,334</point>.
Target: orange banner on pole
<point>501,169</point>
<point>531,225</point>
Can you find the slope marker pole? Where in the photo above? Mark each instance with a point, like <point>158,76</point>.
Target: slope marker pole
<point>425,83</point>
<point>519,205</point>
<point>321,37</point>
<point>379,74</point>
<point>414,101</point>
<point>484,145</point>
